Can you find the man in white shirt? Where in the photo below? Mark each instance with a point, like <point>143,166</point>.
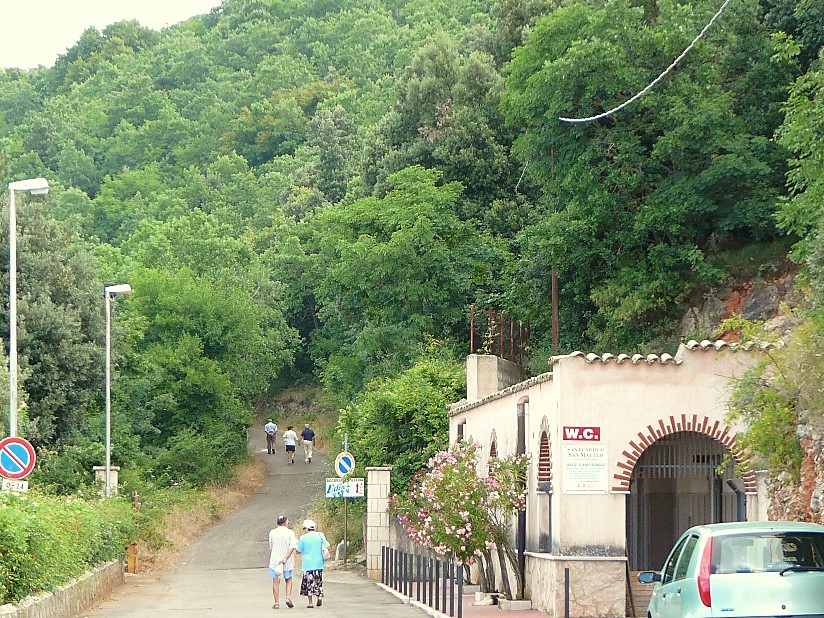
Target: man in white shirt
<point>290,439</point>
<point>282,545</point>
<point>271,430</point>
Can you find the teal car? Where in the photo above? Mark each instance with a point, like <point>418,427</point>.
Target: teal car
<point>732,570</point>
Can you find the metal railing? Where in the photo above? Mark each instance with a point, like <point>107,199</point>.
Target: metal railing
<point>436,583</point>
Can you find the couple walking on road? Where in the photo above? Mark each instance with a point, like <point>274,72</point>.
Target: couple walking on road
<point>290,441</point>
<point>283,545</point>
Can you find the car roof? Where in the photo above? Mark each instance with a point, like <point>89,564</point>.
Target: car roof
<point>760,526</point>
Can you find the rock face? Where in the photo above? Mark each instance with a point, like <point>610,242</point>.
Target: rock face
<point>801,502</point>
<point>765,300</point>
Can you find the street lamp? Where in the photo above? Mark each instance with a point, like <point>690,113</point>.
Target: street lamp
<point>109,291</point>
<point>35,186</point>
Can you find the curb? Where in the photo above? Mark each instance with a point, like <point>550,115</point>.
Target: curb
<point>71,598</point>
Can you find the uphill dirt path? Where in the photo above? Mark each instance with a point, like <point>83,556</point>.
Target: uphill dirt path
<point>224,573</point>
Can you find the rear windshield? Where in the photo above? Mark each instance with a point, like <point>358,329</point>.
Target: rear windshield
<point>755,553</point>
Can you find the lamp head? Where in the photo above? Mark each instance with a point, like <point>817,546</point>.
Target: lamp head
<point>35,186</point>
<point>111,289</point>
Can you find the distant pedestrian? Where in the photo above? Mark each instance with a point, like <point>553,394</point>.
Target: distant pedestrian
<point>290,439</point>
<point>282,546</point>
<point>308,439</point>
<point>312,547</point>
<point>271,430</point>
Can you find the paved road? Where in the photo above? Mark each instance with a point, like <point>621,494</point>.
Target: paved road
<point>224,574</point>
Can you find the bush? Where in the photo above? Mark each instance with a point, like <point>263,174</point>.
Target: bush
<point>46,541</point>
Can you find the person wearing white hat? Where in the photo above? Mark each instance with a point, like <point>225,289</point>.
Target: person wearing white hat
<point>311,547</point>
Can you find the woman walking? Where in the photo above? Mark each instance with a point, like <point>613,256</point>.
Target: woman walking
<point>311,547</point>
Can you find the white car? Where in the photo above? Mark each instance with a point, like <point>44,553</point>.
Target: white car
<point>733,570</point>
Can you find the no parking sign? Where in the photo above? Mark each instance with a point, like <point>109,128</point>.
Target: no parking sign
<point>344,463</point>
<point>16,458</point>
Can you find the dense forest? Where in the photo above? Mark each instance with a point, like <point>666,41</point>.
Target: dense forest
<point>318,191</point>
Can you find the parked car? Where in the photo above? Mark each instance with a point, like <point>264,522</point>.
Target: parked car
<point>772,568</point>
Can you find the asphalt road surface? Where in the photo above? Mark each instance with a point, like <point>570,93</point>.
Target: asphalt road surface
<point>224,573</point>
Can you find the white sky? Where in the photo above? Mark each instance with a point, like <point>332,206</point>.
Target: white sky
<point>35,32</point>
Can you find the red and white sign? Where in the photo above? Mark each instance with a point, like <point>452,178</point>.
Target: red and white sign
<point>586,434</point>
<point>16,458</point>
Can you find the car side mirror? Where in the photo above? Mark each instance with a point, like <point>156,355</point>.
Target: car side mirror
<point>649,577</point>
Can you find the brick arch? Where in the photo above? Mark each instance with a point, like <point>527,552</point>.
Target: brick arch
<point>714,429</point>
<point>493,451</point>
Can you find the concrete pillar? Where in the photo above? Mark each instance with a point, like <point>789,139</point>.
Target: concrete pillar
<point>377,519</point>
<point>100,478</point>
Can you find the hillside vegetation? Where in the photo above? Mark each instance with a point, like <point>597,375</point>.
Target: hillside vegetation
<point>315,191</point>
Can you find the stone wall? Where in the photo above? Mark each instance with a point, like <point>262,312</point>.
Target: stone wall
<point>597,586</point>
<point>71,599</point>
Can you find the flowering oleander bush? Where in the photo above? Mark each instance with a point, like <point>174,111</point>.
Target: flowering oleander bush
<point>455,512</point>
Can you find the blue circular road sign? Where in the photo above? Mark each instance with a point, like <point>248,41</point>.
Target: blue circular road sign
<point>344,463</point>
<point>16,458</point>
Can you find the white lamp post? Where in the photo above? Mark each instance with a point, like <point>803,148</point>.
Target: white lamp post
<point>109,291</point>
<point>35,186</point>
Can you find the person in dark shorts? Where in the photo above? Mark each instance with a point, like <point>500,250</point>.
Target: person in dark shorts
<point>290,440</point>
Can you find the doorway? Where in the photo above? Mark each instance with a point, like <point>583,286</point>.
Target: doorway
<point>678,482</point>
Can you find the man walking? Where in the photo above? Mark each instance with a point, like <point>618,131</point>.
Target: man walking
<point>271,436</point>
<point>290,439</point>
<point>282,546</point>
<point>308,437</point>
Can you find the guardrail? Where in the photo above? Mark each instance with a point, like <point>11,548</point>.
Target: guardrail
<point>435,583</point>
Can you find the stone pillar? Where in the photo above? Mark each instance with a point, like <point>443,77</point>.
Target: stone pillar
<point>377,519</point>
<point>100,478</point>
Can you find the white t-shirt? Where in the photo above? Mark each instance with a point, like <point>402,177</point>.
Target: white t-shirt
<point>290,438</point>
<point>281,539</point>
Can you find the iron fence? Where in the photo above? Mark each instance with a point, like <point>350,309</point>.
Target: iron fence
<point>435,583</point>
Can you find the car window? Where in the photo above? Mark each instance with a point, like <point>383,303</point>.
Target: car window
<point>770,551</point>
<point>672,561</point>
<point>684,559</point>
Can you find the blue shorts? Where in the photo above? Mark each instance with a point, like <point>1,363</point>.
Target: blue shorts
<point>290,448</point>
<point>273,575</point>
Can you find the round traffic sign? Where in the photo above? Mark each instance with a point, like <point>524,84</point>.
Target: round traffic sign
<point>16,458</point>
<point>344,463</point>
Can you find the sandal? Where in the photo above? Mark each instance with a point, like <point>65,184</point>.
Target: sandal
<point>289,603</point>
<point>275,606</point>
<point>320,602</point>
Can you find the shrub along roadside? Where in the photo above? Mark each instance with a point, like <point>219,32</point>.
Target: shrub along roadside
<point>46,541</point>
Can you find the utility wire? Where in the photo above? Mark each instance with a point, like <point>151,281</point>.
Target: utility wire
<point>657,79</point>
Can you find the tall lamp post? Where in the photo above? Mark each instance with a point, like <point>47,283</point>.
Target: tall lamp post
<point>35,186</point>
<point>110,291</point>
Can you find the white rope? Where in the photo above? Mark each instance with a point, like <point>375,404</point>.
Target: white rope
<point>657,79</point>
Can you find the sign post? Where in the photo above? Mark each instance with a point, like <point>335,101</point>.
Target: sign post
<point>344,465</point>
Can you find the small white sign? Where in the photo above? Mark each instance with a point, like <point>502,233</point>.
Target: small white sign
<point>15,486</point>
<point>585,469</point>
<point>338,488</point>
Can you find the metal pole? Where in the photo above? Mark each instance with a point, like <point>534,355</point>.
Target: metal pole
<point>108,490</point>
<point>345,528</point>
<point>12,316</point>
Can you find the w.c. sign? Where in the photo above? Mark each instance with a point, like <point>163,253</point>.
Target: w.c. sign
<point>588,434</point>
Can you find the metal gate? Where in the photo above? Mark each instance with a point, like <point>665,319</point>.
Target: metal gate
<point>678,482</point>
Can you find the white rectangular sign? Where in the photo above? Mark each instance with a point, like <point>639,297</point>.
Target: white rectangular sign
<point>585,469</point>
<point>338,488</point>
<point>15,486</point>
